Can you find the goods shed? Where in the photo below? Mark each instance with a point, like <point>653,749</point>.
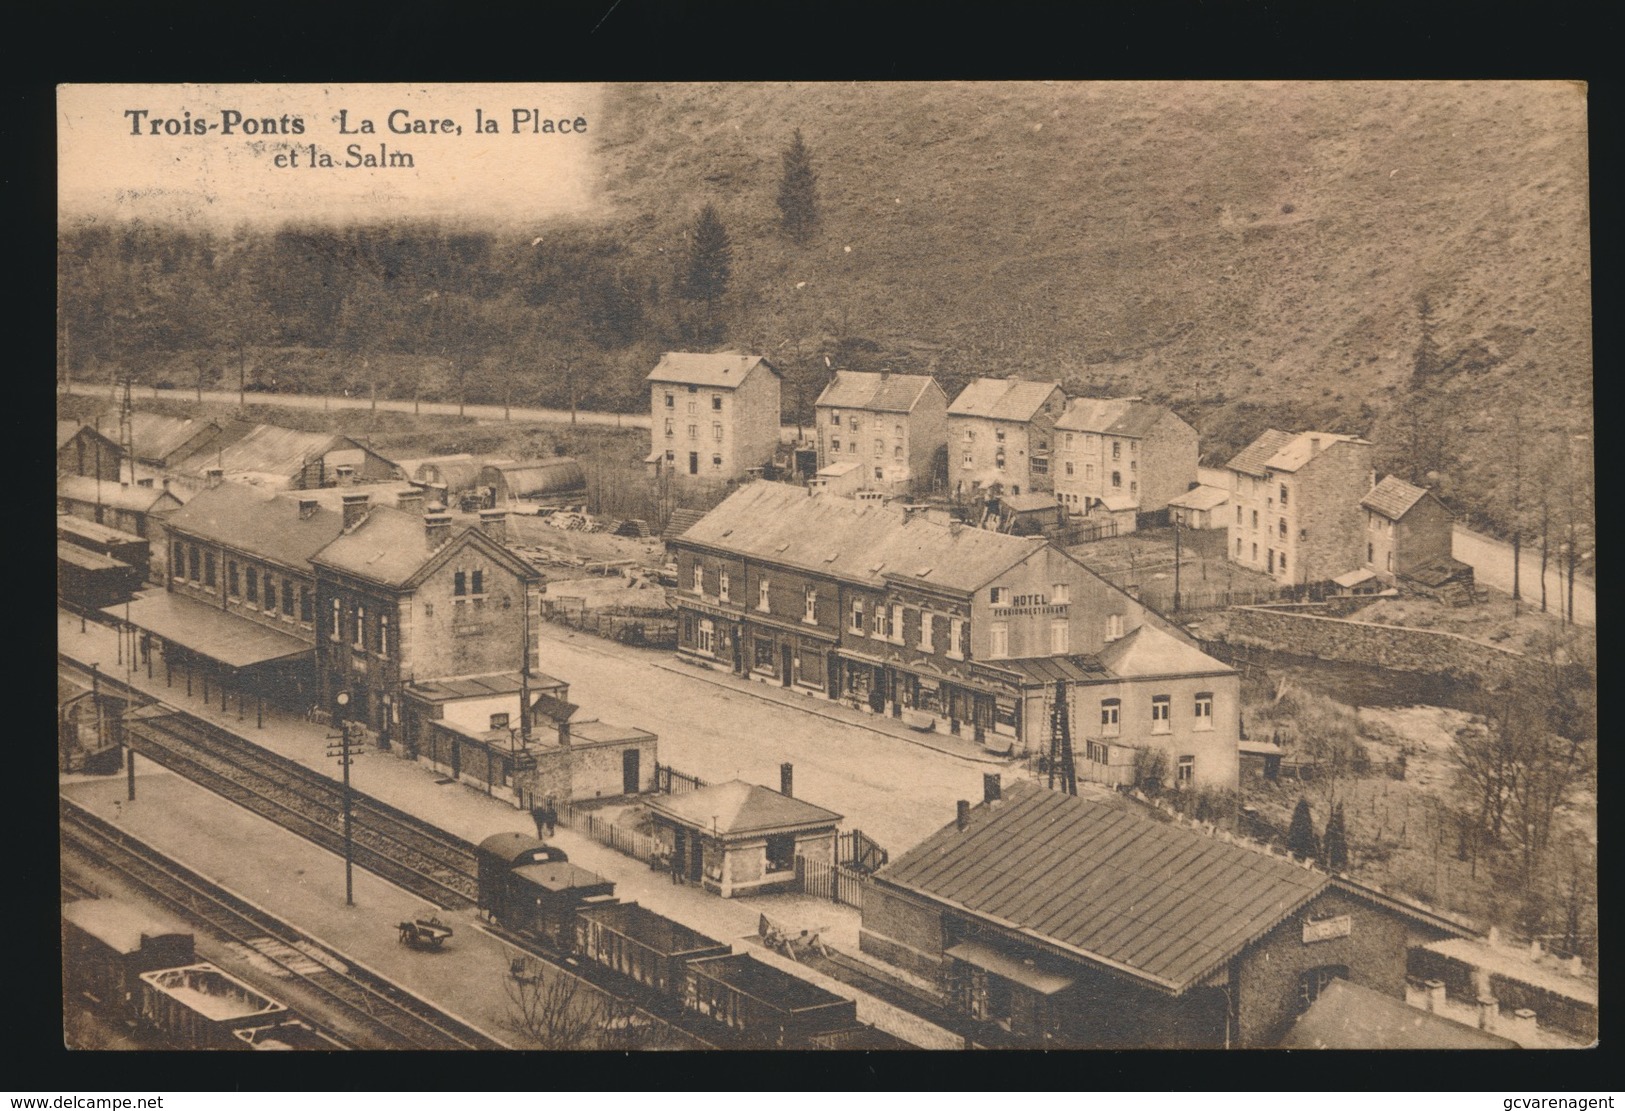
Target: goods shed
<point>557,483</point>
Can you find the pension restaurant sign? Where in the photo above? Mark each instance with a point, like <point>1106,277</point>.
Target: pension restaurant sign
<point>1031,605</point>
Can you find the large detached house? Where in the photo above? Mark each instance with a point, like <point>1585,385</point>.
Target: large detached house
<point>712,417</point>
<point>1295,505</point>
<point>1118,457</point>
<point>891,425</point>
<point>950,627</point>
<point>1000,436</point>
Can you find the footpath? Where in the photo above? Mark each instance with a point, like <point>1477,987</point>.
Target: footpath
<point>459,809</point>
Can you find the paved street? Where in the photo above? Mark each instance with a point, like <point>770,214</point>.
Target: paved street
<point>895,791</point>
<point>1491,561</point>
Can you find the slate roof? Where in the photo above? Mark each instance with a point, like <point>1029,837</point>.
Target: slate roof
<point>1254,458</point>
<point>158,437</point>
<point>66,430</point>
<point>681,521</point>
<point>1300,449</point>
<point>737,807</point>
<point>261,522</point>
<point>724,370</point>
<point>1002,399</point>
<point>389,546</point>
<point>855,541</point>
<point>82,488</point>
<point>1120,416</point>
<point>1347,1016</point>
<point>1393,497</point>
<point>1203,497</point>
<point>1148,652</point>
<point>1162,903</point>
<point>264,449</point>
<point>886,393</point>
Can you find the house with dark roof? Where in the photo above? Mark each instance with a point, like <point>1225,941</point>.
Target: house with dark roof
<point>1295,505</point>
<point>736,838</point>
<point>1119,457</point>
<point>401,599</point>
<point>161,441</point>
<point>1407,528</point>
<point>965,630</point>
<point>712,417</point>
<point>1082,923</point>
<point>86,451</point>
<point>894,425</point>
<point>1000,437</point>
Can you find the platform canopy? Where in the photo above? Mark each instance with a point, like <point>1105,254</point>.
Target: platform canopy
<point>209,632</point>
<point>1028,975</point>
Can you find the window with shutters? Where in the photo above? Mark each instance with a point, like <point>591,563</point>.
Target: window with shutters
<point>998,640</point>
<point>1060,634</point>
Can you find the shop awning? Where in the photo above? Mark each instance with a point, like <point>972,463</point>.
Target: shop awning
<point>206,630</point>
<point>1011,968</point>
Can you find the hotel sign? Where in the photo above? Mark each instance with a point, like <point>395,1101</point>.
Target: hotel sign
<point>1325,929</point>
<point>1031,605</point>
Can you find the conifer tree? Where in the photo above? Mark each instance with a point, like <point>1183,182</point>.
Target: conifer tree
<point>798,192</point>
<point>1300,837</point>
<point>1335,844</point>
<point>710,261</point>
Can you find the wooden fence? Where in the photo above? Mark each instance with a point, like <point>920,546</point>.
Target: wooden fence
<point>638,629</point>
<point>1081,533</point>
<point>839,883</point>
<point>640,846</point>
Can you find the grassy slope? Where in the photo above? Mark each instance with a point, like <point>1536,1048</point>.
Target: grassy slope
<point>1136,237</point>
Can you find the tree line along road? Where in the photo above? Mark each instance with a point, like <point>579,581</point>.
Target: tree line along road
<point>487,414</point>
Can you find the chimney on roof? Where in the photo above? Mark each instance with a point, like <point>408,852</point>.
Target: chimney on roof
<point>992,787</point>
<point>962,816</point>
<point>1435,996</point>
<point>1371,481</point>
<point>955,526</point>
<point>494,524</point>
<point>436,529</point>
<point>1314,445</point>
<point>410,501</point>
<point>1487,1005</point>
<point>1524,1024</point>
<point>355,509</point>
<point>345,473</point>
<point>787,780</point>
<point>307,508</point>
<point>564,733</point>
<point>213,477</point>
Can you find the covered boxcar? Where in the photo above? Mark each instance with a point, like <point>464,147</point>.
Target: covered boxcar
<point>201,1007</point>
<point>107,945</point>
<point>92,581</point>
<point>292,1033</point>
<point>122,546</point>
<point>767,1008</point>
<point>543,899</point>
<point>643,946</point>
<point>496,858</point>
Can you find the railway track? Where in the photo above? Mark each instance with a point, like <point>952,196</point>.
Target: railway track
<point>380,1014</point>
<point>411,853</point>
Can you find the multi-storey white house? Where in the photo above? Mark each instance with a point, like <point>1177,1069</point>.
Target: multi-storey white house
<point>1000,436</point>
<point>712,417</point>
<point>1122,456</point>
<point>891,424</point>
<point>1295,499</point>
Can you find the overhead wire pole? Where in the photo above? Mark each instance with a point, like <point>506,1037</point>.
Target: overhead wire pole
<point>1060,743</point>
<point>346,750</point>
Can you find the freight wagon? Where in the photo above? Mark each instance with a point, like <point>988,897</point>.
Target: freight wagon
<point>201,1007</point>
<point>106,946</point>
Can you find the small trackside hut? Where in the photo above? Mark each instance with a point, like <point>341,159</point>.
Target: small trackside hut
<point>738,838</point>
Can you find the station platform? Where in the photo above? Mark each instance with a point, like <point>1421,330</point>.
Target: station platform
<point>305,884</point>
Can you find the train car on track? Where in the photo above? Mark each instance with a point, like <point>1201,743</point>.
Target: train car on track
<point>107,945</point>
<point>291,1033</point>
<point>88,581</point>
<point>641,945</point>
<point>201,1007</point>
<point>766,1007</point>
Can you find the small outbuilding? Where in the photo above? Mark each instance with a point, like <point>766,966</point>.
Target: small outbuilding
<point>556,483</point>
<point>737,838</point>
<point>1201,507</point>
<point>1348,1016</point>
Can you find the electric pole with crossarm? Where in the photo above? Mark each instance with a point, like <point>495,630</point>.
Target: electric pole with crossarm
<point>346,746</point>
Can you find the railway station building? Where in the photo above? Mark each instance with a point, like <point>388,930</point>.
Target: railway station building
<point>948,627</point>
<point>1070,922</point>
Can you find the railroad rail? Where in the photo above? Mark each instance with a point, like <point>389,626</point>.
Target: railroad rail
<point>384,1016</point>
<point>409,852</point>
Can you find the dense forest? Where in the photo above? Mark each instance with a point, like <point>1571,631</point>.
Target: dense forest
<point>1406,262</point>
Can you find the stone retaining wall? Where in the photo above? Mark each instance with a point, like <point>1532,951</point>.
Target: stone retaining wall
<point>1362,642</point>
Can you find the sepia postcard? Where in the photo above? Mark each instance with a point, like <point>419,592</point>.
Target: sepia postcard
<point>786,566</point>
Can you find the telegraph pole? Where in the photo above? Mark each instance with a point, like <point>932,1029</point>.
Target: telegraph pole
<point>1178,520</point>
<point>346,747</point>
<point>1060,744</point>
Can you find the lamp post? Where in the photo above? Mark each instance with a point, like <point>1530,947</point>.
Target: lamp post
<point>345,751</point>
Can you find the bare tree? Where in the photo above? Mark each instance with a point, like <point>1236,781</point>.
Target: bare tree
<point>547,1005</point>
